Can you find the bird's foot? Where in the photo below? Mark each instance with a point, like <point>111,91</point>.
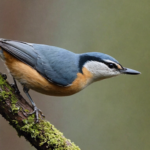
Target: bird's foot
<point>4,76</point>
<point>16,88</point>
<point>36,112</point>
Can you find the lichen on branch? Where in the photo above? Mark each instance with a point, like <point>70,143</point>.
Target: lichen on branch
<point>43,135</point>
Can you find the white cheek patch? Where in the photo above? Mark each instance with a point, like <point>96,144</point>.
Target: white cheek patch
<point>100,70</point>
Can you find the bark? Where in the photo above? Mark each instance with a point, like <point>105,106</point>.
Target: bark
<point>43,135</point>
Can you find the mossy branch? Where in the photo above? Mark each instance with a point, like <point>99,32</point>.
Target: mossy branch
<point>42,135</point>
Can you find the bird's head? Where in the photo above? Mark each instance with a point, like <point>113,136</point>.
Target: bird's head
<point>103,66</point>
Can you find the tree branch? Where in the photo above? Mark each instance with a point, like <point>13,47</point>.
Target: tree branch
<point>42,135</point>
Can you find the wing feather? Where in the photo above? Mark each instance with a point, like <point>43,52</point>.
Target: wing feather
<point>57,65</point>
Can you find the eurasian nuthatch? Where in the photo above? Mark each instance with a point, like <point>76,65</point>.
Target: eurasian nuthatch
<point>55,71</point>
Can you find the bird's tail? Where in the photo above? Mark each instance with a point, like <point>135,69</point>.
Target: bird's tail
<point>1,51</point>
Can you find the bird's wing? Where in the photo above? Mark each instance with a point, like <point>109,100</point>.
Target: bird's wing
<point>57,65</point>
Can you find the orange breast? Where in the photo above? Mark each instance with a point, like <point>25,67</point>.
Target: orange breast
<point>32,79</point>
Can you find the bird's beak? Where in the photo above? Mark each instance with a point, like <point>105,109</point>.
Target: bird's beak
<point>129,71</point>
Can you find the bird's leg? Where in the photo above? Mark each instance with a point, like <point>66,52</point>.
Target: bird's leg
<point>36,110</point>
<point>4,76</point>
<point>14,85</point>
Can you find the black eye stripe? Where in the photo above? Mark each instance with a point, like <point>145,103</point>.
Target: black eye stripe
<point>111,65</point>
<point>85,58</point>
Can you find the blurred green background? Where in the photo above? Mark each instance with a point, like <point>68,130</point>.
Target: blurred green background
<point>113,114</point>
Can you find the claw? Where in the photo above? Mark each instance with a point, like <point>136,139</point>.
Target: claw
<point>36,112</point>
<point>16,88</point>
<point>4,76</point>
<point>41,113</point>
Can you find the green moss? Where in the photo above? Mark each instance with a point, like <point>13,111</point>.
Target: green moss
<point>14,108</point>
<point>26,110</point>
<point>13,98</point>
<point>15,121</point>
<point>51,135</point>
<point>44,131</point>
<point>4,82</point>
<point>4,95</point>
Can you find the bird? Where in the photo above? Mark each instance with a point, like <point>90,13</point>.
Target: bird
<point>56,71</point>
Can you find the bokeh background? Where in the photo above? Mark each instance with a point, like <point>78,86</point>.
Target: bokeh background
<point>113,114</point>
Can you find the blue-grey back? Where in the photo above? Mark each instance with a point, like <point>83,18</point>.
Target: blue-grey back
<point>55,64</point>
<point>59,65</point>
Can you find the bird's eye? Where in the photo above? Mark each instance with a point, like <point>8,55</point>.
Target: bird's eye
<point>111,66</point>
